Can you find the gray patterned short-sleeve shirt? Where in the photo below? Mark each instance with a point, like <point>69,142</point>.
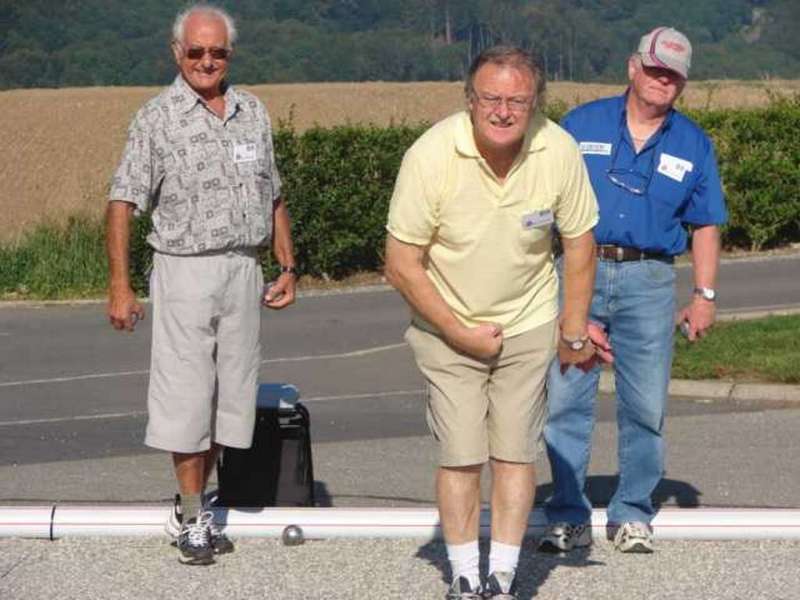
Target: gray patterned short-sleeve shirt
<point>210,182</point>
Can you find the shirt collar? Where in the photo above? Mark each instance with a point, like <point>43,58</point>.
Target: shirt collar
<point>623,109</point>
<point>184,98</point>
<point>465,140</point>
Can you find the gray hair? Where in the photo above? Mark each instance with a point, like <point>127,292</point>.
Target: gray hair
<point>511,56</point>
<point>205,9</point>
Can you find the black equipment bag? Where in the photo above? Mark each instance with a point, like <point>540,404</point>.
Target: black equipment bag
<point>277,469</point>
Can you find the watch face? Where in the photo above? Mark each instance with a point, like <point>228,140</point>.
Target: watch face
<point>706,293</point>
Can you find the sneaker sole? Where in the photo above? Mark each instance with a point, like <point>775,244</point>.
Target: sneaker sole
<point>196,561</point>
<point>636,548</point>
<point>549,547</point>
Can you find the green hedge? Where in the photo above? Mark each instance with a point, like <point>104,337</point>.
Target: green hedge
<point>338,183</point>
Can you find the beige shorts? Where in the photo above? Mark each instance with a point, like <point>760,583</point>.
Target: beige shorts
<point>206,350</point>
<point>480,409</point>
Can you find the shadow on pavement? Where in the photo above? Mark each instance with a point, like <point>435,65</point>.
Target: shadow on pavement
<point>601,488</point>
<point>533,570</point>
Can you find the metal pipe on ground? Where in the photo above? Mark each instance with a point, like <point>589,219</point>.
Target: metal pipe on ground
<point>58,521</point>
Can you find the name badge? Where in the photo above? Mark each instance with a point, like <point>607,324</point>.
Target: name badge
<point>537,218</point>
<point>595,148</point>
<point>674,167</point>
<point>244,152</point>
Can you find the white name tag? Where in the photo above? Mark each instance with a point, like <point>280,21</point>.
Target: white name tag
<point>244,152</point>
<point>595,148</point>
<point>674,167</point>
<point>537,218</point>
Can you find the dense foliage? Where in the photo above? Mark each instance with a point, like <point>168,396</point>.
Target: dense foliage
<point>55,43</point>
<point>338,183</point>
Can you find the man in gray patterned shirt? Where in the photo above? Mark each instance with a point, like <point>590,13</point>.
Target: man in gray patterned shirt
<point>200,157</point>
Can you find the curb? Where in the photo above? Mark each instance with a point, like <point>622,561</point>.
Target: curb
<point>721,390</point>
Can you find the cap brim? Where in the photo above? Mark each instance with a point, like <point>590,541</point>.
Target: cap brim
<point>651,60</point>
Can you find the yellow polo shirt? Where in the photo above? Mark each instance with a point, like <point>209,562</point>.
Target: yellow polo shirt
<point>489,242</point>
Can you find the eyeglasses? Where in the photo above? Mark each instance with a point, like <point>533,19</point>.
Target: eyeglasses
<point>516,104</point>
<point>198,52</point>
<point>630,180</point>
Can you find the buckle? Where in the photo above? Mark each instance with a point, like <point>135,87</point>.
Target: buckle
<point>619,254</point>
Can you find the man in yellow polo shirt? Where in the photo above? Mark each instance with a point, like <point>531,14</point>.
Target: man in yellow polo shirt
<point>470,226</point>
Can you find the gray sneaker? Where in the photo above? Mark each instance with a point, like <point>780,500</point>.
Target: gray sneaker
<point>460,589</point>
<point>634,537</point>
<point>194,541</point>
<point>563,537</point>
<point>501,585</point>
<point>220,542</point>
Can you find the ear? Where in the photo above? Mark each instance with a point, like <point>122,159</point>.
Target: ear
<point>177,51</point>
<point>633,65</point>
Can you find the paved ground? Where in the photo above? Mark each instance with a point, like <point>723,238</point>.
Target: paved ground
<point>72,415</point>
<point>136,568</point>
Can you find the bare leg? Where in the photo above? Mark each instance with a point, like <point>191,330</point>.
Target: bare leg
<point>513,488</point>
<point>210,462</point>
<point>458,495</point>
<point>189,471</point>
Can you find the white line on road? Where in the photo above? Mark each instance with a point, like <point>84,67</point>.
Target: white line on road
<point>73,418</point>
<point>126,415</point>
<point>353,354</point>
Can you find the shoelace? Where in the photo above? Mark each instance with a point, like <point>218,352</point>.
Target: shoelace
<point>198,532</point>
<point>635,530</point>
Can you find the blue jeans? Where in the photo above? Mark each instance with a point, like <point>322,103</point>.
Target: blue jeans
<point>636,303</point>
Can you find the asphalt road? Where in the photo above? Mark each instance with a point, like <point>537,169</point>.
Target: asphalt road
<point>72,395</point>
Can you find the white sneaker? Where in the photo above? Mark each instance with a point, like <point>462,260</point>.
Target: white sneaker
<point>563,537</point>
<point>175,519</point>
<point>634,537</point>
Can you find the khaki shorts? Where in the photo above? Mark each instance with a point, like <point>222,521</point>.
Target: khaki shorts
<point>480,409</point>
<point>206,350</point>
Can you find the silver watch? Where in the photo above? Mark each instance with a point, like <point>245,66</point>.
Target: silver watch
<point>576,344</point>
<point>705,293</point>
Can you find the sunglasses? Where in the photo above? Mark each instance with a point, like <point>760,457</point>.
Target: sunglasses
<point>630,180</point>
<point>198,52</point>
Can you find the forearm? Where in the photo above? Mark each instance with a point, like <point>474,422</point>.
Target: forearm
<point>404,271</point>
<point>282,246</point>
<point>578,283</point>
<point>705,255</point>
<point>118,231</point>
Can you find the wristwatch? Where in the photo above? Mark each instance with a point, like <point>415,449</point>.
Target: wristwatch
<point>287,269</point>
<point>575,344</point>
<point>705,293</point>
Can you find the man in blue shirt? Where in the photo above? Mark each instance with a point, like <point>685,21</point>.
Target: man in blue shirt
<point>654,173</point>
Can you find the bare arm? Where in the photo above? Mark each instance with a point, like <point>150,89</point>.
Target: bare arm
<point>123,310</point>
<point>701,313</point>
<point>282,293</point>
<point>405,271</point>
<point>578,282</point>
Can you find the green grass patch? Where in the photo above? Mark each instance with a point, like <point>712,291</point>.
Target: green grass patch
<point>55,262</point>
<point>763,350</point>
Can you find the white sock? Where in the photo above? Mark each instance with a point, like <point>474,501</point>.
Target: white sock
<point>465,562</point>
<point>503,557</point>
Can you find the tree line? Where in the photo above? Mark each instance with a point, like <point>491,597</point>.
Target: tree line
<point>55,43</point>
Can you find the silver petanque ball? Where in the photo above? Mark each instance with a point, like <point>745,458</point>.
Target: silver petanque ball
<point>292,536</point>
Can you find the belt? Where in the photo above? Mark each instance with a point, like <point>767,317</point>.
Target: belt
<point>626,253</point>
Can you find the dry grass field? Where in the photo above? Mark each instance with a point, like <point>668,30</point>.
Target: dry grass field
<point>62,145</point>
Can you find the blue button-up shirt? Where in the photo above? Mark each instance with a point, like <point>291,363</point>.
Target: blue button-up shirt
<point>646,198</point>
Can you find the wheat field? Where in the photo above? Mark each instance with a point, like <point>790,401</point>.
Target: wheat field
<point>63,145</point>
